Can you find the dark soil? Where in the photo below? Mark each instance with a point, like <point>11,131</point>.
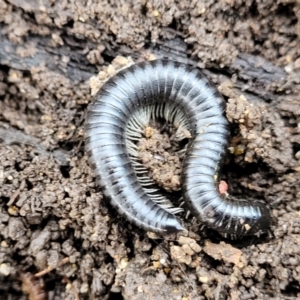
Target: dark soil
<point>54,221</point>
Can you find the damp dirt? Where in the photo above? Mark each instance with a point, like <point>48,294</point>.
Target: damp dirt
<point>59,238</point>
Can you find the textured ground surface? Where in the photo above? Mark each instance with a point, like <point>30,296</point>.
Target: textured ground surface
<point>53,217</point>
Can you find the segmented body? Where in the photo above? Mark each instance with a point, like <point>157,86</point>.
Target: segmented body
<point>163,83</point>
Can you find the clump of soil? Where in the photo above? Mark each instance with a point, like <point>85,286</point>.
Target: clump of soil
<point>161,156</point>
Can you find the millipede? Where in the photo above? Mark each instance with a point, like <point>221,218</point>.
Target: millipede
<point>183,96</point>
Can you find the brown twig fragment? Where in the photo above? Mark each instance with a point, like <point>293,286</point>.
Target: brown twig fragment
<point>15,195</point>
<point>50,268</point>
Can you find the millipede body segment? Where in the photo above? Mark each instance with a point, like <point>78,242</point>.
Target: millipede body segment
<point>172,89</point>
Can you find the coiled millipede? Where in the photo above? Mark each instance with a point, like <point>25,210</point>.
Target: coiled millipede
<point>180,94</point>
